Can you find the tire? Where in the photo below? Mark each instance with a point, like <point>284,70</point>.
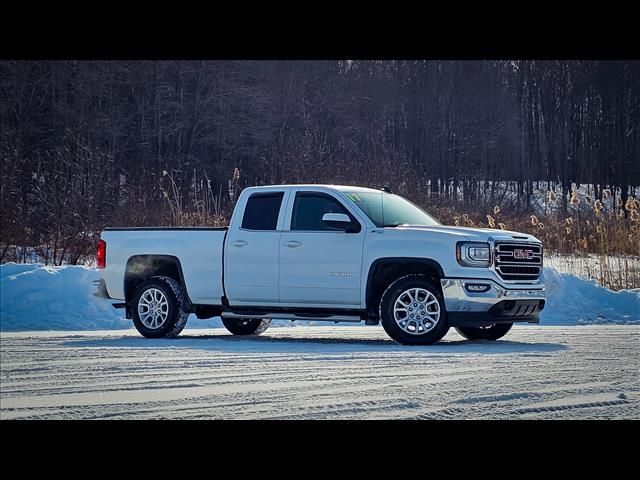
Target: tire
<point>246,326</point>
<point>494,332</point>
<point>408,332</point>
<point>170,320</point>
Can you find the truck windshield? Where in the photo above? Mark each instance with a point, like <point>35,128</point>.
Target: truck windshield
<point>389,210</point>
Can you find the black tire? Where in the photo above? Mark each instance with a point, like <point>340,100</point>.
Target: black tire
<point>246,326</point>
<point>177,314</point>
<point>389,323</point>
<point>494,332</point>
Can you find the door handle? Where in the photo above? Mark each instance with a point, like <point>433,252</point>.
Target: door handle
<point>239,243</point>
<point>293,244</point>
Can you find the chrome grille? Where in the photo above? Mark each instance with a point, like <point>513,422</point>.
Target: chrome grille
<point>518,261</point>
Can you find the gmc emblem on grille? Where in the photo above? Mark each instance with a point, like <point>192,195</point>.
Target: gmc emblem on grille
<point>522,254</point>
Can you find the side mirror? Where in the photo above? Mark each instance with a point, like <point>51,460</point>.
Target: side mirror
<point>340,221</point>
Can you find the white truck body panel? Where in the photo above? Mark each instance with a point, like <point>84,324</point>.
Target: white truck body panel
<point>321,267</point>
<point>199,252</point>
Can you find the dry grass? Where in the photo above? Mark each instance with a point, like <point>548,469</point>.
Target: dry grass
<point>202,207</point>
<point>597,242</point>
<point>592,240</point>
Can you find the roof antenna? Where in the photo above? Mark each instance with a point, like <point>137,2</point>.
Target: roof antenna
<point>387,189</point>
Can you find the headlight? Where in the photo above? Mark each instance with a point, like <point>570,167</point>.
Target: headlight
<point>473,254</point>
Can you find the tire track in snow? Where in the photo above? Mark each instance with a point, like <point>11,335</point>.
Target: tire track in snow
<point>322,372</point>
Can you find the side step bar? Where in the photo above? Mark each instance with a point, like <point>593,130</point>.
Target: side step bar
<point>293,317</point>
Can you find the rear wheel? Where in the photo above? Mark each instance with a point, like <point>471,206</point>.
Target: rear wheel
<point>246,326</point>
<point>159,308</point>
<point>490,332</point>
<point>412,311</point>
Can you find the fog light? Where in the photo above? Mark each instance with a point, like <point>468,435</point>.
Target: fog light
<point>477,287</point>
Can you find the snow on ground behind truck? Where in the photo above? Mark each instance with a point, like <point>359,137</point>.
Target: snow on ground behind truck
<point>37,297</point>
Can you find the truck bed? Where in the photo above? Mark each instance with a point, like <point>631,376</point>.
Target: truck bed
<point>119,229</point>
<point>199,250</point>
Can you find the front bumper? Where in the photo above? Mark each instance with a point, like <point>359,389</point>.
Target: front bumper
<point>496,304</point>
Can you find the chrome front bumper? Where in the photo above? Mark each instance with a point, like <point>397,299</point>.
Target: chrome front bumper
<point>497,304</point>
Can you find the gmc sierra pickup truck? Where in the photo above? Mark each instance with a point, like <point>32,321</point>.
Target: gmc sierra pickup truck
<point>325,252</point>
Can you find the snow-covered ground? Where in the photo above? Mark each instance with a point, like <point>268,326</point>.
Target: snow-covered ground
<point>35,297</point>
<point>67,354</point>
<point>322,372</point>
<point>573,300</point>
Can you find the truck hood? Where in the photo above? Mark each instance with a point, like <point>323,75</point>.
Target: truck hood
<point>473,234</point>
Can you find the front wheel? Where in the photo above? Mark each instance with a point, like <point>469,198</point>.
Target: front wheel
<point>246,326</point>
<point>490,332</point>
<point>412,311</point>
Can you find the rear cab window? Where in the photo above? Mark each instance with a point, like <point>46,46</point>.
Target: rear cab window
<point>261,211</point>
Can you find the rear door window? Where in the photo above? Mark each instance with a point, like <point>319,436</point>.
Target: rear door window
<point>261,211</point>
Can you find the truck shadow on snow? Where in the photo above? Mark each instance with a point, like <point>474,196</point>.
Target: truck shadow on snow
<point>278,344</point>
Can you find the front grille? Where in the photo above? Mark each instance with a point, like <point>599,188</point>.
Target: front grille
<point>518,261</point>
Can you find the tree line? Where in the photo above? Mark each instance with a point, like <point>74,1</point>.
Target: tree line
<point>86,144</point>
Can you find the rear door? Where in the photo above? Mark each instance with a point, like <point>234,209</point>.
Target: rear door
<point>319,265</point>
<point>251,250</point>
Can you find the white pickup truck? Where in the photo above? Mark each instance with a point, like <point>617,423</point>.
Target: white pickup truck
<point>325,252</point>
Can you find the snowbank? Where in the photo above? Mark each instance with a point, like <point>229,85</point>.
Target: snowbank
<point>35,297</point>
<point>573,300</point>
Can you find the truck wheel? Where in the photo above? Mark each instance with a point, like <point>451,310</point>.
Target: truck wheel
<point>412,311</point>
<point>246,326</point>
<point>159,308</point>
<point>490,332</point>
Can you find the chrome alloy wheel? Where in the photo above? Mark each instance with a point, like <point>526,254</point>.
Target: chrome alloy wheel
<point>416,311</point>
<point>153,308</point>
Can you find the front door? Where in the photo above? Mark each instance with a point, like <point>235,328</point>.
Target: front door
<point>320,266</point>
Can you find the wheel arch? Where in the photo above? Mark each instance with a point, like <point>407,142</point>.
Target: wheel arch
<point>139,268</point>
<point>384,271</point>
